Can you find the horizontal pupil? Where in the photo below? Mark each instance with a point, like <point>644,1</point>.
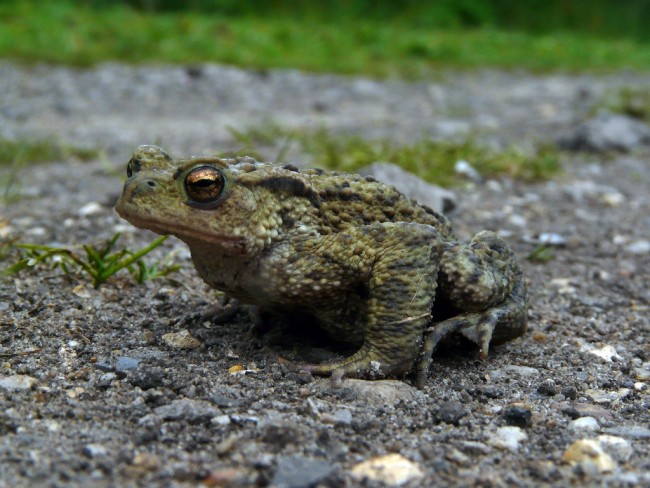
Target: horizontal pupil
<point>204,183</point>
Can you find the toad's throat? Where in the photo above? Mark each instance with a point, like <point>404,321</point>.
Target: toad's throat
<point>188,234</point>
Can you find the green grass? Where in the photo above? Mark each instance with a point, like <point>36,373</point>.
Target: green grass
<point>431,160</point>
<point>74,33</point>
<point>630,100</point>
<point>35,150</point>
<point>99,263</point>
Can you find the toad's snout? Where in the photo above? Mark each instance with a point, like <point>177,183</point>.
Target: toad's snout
<point>138,187</point>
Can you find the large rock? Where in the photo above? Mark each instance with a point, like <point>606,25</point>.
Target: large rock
<point>607,132</point>
<point>439,199</point>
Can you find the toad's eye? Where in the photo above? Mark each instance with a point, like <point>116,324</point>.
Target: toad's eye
<point>204,185</point>
<point>132,168</point>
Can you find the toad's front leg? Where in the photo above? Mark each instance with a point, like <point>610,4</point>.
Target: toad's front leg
<point>403,261</point>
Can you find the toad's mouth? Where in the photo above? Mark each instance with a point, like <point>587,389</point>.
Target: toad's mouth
<point>186,233</point>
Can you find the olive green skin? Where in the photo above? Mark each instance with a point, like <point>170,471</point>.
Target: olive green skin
<point>369,265</point>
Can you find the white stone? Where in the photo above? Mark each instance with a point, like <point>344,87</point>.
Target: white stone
<point>638,247</point>
<point>91,208</point>
<point>391,469</point>
<point>606,353</point>
<point>584,424</point>
<point>508,438</point>
<point>617,447</point>
<point>18,382</point>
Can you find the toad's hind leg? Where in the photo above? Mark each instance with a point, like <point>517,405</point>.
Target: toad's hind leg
<point>402,284</point>
<point>482,279</point>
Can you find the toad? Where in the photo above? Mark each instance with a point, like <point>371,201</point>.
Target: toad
<point>365,263</point>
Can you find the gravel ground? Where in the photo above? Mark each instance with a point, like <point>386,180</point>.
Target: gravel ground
<point>106,388</point>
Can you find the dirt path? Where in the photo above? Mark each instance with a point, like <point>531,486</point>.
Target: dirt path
<point>93,392</point>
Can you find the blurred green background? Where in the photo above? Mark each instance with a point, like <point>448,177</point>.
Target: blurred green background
<point>626,18</point>
<point>382,37</point>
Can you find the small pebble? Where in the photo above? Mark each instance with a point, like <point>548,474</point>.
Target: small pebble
<point>94,450</point>
<point>377,393</point>
<point>187,409</point>
<point>579,409</point>
<point>125,363</point>
<point>340,417</point>
<point>607,353</point>
<point>642,374</point>
<point>391,469</point>
<point>90,208</point>
<point>181,340</point>
<point>147,378</point>
<point>457,457</point>
<point>548,388</point>
<point>638,247</point>
<point>584,424</point>
<point>632,431</point>
<point>220,420</point>
<point>463,168</point>
<point>518,415</point>
<point>588,454</point>
<point>551,239</point>
<point>521,370</point>
<point>18,382</point>
<point>298,471</point>
<point>450,412</point>
<point>508,438</point>
<point>617,447</point>
<point>105,380</point>
<point>600,396</point>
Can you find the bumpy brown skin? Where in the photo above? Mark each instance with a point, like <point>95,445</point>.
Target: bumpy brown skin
<point>371,266</point>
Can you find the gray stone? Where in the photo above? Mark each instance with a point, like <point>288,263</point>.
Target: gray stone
<point>18,382</point>
<point>578,409</point>
<point>638,247</point>
<point>147,378</point>
<point>300,472</point>
<point>439,199</point>
<point>450,412</point>
<point>189,410</point>
<point>376,393</point>
<point>94,450</point>
<point>105,380</point>
<point>617,447</point>
<point>633,431</point>
<point>584,424</point>
<point>125,363</point>
<point>601,396</point>
<point>607,132</point>
<point>339,417</point>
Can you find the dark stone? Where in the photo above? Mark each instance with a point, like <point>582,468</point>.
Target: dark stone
<point>450,412</point>
<point>518,416</point>
<point>224,401</point>
<point>548,388</point>
<point>569,392</point>
<point>147,378</point>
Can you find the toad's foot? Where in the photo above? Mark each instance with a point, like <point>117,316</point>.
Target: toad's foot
<point>497,325</point>
<point>370,362</point>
